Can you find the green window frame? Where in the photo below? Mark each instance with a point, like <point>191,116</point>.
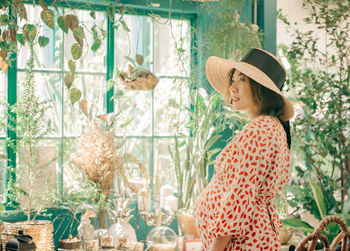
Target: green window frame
<point>13,77</point>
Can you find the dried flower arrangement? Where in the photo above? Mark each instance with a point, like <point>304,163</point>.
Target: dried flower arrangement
<point>138,78</point>
<point>97,156</point>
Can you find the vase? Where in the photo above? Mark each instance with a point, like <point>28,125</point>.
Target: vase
<point>161,239</point>
<point>122,233</point>
<point>186,224</point>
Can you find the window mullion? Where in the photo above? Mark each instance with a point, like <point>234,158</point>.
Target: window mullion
<point>11,119</point>
<point>110,64</point>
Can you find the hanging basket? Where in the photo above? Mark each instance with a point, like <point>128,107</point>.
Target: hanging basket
<point>41,231</point>
<point>146,81</point>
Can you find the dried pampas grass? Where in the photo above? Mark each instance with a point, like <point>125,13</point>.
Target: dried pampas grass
<point>97,156</point>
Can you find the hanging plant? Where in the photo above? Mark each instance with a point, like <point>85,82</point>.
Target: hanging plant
<point>138,78</point>
<point>11,33</point>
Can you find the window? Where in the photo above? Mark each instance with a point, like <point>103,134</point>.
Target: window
<point>156,116</point>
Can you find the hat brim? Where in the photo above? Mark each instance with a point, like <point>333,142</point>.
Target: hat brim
<point>218,73</point>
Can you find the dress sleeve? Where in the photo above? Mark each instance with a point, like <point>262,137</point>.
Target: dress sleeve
<point>240,176</point>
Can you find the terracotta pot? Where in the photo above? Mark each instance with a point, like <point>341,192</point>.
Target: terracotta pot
<point>186,225</point>
<point>69,244</point>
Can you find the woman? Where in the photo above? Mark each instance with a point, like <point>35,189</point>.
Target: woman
<point>236,210</point>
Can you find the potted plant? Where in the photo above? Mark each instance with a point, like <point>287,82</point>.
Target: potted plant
<point>27,191</point>
<point>74,200</point>
<point>138,78</point>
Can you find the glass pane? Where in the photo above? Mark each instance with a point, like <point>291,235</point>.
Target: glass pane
<point>48,56</point>
<point>140,148</point>
<point>71,173</point>
<point>171,97</point>
<point>3,101</point>
<point>89,61</point>
<point>165,163</point>
<point>134,106</point>
<point>3,165</point>
<point>36,171</point>
<point>137,41</point>
<point>93,88</point>
<point>48,88</point>
<point>172,44</point>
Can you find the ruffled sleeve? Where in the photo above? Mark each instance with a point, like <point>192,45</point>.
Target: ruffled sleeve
<point>240,176</point>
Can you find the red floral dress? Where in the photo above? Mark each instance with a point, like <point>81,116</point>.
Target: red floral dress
<point>238,201</point>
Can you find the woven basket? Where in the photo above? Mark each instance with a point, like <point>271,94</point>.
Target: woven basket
<point>343,236</point>
<point>41,231</point>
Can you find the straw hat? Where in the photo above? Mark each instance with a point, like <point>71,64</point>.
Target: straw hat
<point>257,64</point>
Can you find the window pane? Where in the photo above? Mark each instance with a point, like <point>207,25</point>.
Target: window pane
<point>134,106</point>
<point>48,56</point>
<point>93,88</point>
<point>47,87</point>
<point>171,98</point>
<point>139,148</point>
<point>3,100</point>
<point>42,179</point>
<point>137,41</point>
<point>167,174</point>
<point>89,61</point>
<point>172,43</point>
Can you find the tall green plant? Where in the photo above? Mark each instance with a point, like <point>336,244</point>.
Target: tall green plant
<point>29,190</point>
<point>320,79</point>
<point>192,168</point>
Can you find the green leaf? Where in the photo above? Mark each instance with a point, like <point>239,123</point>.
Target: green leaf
<point>126,123</point>
<point>68,79</point>
<point>78,32</point>
<point>298,224</point>
<point>29,32</point>
<point>93,14</point>
<point>20,38</point>
<point>75,95</point>
<point>71,21</point>
<point>96,45</point>
<point>71,65</point>
<point>47,17</point>
<point>125,27</point>
<point>4,19</point>
<point>318,196</point>
<point>110,84</point>
<point>76,51</point>
<point>43,41</point>
<point>62,24</point>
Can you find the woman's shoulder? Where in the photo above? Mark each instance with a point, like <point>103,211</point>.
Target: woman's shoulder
<point>261,125</point>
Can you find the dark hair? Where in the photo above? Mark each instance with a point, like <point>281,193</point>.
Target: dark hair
<point>269,102</point>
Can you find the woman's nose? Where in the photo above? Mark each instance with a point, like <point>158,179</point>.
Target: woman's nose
<point>233,88</point>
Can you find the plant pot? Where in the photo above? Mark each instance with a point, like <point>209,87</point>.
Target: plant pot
<point>186,225</point>
<point>69,244</point>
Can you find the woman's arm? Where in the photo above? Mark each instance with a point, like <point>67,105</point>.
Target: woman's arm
<point>219,244</point>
